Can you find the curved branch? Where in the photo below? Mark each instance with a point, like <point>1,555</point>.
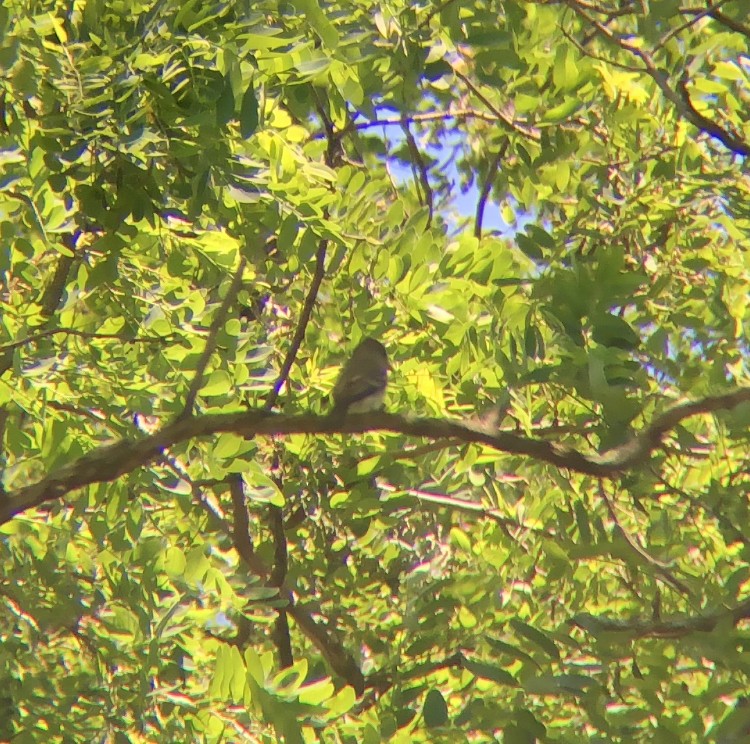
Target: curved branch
<point>109,462</point>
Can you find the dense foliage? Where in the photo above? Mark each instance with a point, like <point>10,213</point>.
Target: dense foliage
<point>204,206</point>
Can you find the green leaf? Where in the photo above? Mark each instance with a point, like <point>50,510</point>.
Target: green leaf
<point>562,111</point>
<point>225,103</point>
<point>611,330</point>
<point>319,22</point>
<point>248,112</point>
<point>490,672</point>
<point>435,710</point>
<point>536,637</point>
<point>218,383</point>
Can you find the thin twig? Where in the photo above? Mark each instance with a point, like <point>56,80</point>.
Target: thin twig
<point>439,8</point>
<point>675,627</point>
<point>531,132</point>
<point>661,569</point>
<point>81,334</point>
<point>720,17</point>
<point>679,29</point>
<point>299,331</point>
<point>471,507</point>
<point>419,164</point>
<point>382,681</point>
<point>397,121</point>
<point>208,349</point>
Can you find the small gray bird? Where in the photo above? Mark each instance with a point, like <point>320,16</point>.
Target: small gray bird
<point>361,384</point>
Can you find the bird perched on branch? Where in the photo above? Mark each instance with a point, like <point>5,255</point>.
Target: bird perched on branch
<point>362,381</point>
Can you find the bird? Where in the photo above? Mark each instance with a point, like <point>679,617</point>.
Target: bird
<point>361,385</point>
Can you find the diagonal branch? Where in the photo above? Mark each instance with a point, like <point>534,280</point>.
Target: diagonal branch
<point>216,325</point>
<point>304,319</point>
<point>421,168</point>
<point>487,187</point>
<point>661,569</point>
<point>722,18</point>
<point>527,130</point>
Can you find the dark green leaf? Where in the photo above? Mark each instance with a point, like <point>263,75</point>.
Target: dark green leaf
<point>435,710</point>
<point>248,112</point>
<point>489,671</point>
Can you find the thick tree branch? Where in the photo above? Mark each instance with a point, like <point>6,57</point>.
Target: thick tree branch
<point>108,462</point>
<point>53,293</point>
<point>243,541</point>
<point>333,652</point>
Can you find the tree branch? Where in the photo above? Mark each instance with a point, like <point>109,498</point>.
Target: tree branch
<point>109,462</point>
<point>468,506</point>
<point>421,168</point>
<point>487,187</point>
<point>527,130</point>
<point>333,652</point>
<point>281,636</point>
<point>54,292</point>
<point>82,334</point>
<point>680,99</point>
<point>661,569</point>
<point>719,17</point>
<point>675,627</point>
<point>394,121</point>
<point>304,319</point>
<point>218,322</point>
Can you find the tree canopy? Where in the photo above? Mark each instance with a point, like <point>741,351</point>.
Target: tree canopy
<point>541,209</point>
